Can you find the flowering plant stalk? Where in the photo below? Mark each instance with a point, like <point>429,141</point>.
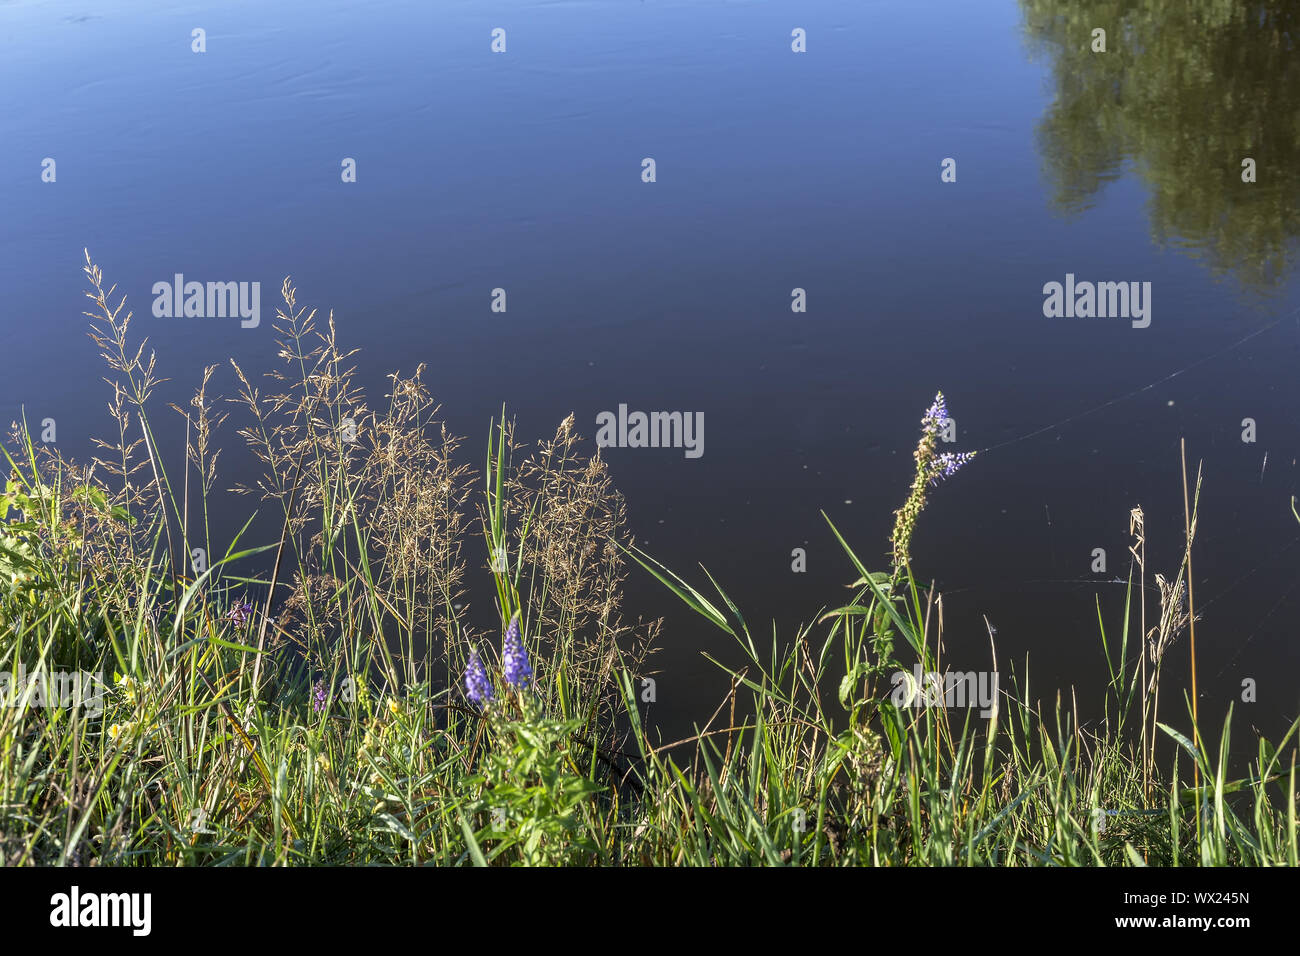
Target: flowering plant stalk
<point>931,468</point>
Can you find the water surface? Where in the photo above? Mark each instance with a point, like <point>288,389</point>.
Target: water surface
<point>775,171</point>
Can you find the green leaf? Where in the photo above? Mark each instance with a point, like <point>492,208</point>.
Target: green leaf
<point>850,681</point>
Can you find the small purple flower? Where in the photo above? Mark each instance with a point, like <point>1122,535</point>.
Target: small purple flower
<point>240,613</point>
<point>319,697</point>
<point>477,686</point>
<point>514,659</point>
<point>946,464</point>
<point>936,416</point>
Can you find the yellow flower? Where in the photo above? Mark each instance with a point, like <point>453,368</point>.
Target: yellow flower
<point>118,730</point>
<point>322,762</point>
<point>130,687</point>
<point>394,707</point>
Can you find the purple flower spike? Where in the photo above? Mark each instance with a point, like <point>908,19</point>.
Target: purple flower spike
<point>240,613</point>
<point>514,658</point>
<point>319,697</point>
<point>936,416</point>
<point>477,686</point>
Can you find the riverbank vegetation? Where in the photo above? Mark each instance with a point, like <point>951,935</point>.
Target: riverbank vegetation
<point>342,707</point>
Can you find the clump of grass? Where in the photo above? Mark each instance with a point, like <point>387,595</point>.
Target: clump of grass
<point>295,700</point>
<point>327,696</point>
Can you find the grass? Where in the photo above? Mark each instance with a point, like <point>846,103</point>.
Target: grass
<point>312,713</point>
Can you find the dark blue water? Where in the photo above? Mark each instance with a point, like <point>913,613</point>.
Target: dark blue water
<point>776,170</point>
